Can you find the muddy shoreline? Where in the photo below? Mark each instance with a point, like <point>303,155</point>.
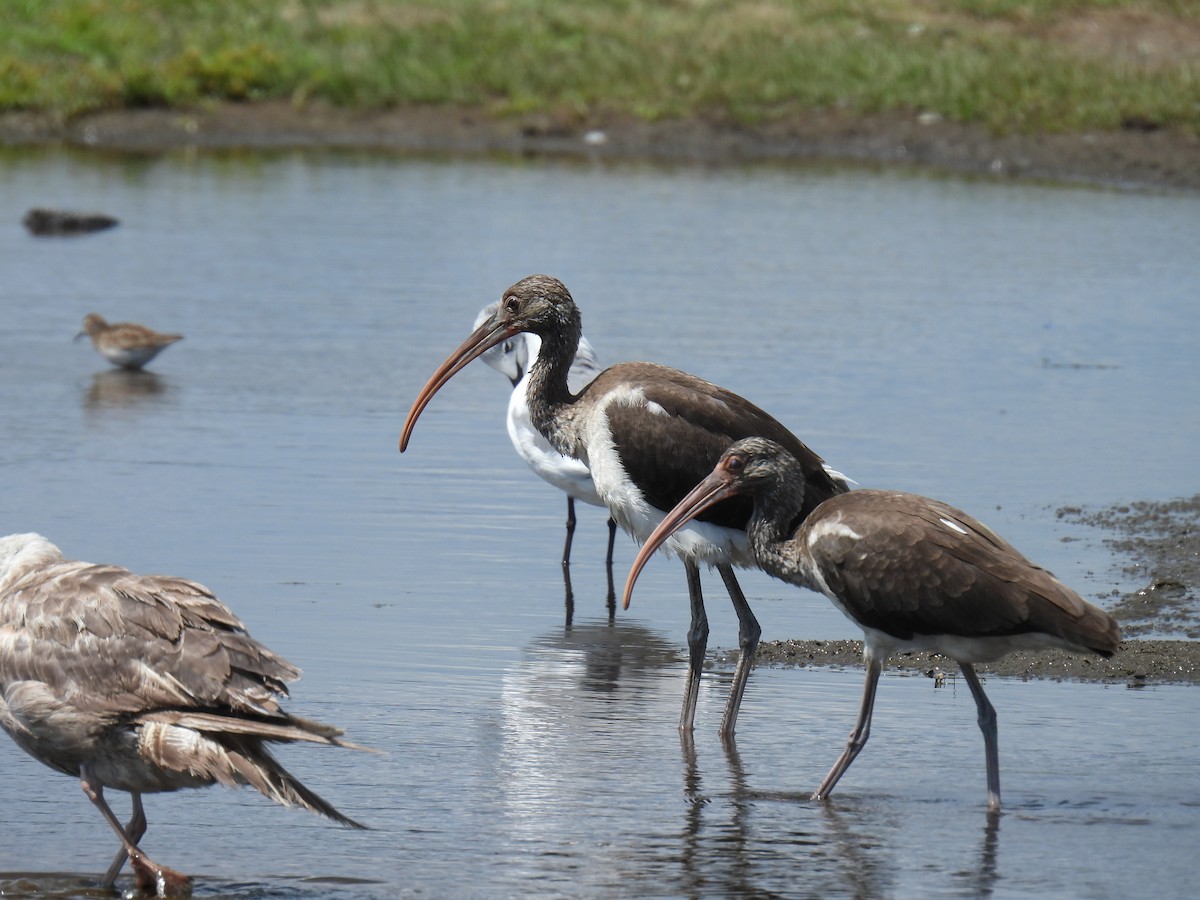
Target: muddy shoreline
<point>1136,664</point>
<point>1132,158</point>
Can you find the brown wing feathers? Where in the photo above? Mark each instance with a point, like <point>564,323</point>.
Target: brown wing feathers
<point>231,757</point>
<point>955,576</point>
<point>159,651</point>
<point>666,453</point>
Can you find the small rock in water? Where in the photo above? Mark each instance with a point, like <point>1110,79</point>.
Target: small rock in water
<point>63,222</point>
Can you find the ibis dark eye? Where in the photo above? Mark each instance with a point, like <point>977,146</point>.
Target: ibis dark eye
<point>735,464</point>
<point>511,304</point>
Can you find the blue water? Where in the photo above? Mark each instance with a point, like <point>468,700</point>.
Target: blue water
<point>1009,348</point>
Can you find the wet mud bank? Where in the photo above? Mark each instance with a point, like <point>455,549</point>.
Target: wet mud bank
<point>1138,662</point>
<point>1156,158</point>
<point>1157,541</point>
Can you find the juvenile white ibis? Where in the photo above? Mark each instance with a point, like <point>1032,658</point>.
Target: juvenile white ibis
<point>141,683</point>
<point>513,358</point>
<point>125,344</point>
<point>647,433</point>
<point>913,573</point>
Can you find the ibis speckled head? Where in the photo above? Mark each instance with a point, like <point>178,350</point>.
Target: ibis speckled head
<point>538,304</point>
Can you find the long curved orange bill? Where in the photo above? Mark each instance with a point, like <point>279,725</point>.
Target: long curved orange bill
<point>482,339</point>
<point>712,490</point>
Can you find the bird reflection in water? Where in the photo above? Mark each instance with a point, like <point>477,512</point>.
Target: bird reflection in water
<point>735,871</point>
<point>733,843</point>
<point>125,389</point>
<point>567,709</point>
<point>566,669</point>
<point>610,599</point>
<point>733,840</point>
<point>988,874</point>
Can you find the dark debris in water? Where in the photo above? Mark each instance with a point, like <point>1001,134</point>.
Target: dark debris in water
<point>65,223</point>
<point>1052,364</point>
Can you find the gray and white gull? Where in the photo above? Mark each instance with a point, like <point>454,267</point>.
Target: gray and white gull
<point>141,683</point>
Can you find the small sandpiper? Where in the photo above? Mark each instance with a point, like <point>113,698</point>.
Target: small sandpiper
<point>125,344</point>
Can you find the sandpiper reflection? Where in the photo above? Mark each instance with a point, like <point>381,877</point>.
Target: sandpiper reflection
<point>125,389</point>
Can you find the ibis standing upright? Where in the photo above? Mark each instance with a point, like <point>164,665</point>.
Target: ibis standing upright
<point>513,358</point>
<point>913,573</point>
<point>647,434</point>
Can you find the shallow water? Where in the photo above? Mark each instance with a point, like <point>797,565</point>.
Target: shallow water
<point>1007,348</point>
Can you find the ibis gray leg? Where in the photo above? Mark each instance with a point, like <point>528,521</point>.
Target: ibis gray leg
<point>987,724</point>
<point>858,737</point>
<point>135,829</point>
<point>748,635</point>
<point>151,877</point>
<point>566,560</point>
<point>697,644</point>
<point>611,597</point>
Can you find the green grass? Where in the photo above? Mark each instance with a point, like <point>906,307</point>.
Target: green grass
<point>1013,65</point>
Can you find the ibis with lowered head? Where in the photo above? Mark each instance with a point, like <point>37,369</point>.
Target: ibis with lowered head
<point>913,573</point>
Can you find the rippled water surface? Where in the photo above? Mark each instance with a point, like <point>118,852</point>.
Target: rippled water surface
<point>1008,348</point>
